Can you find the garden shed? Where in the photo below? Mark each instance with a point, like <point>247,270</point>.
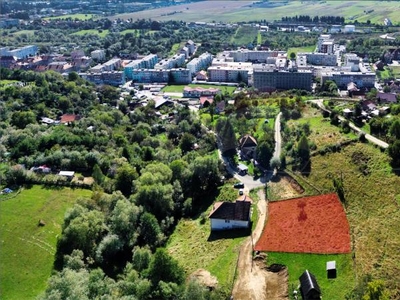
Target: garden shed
<point>309,287</point>
<point>331,269</point>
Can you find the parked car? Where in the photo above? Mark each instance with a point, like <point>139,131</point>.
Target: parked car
<point>238,185</point>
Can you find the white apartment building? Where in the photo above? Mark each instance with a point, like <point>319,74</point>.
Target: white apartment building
<point>199,63</point>
<point>176,61</point>
<point>98,54</point>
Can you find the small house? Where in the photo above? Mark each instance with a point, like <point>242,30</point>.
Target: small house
<point>309,287</point>
<point>231,215</point>
<point>247,146</point>
<point>68,174</point>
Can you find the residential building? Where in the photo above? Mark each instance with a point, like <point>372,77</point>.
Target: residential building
<point>335,29</point>
<point>185,50</point>
<point>99,55</point>
<point>176,61</point>
<point>180,76</point>
<point>325,44</point>
<point>245,55</point>
<point>343,78</point>
<point>267,78</point>
<point>231,215</point>
<point>200,63</point>
<point>147,62</point>
<point>114,78</point>
<point>191,47</point>
<point>112,64</point>
<point>222,71</point>
<point>318,59</point>
<point>353,61</point>
<point>20,53</point>
<point>197,92</point>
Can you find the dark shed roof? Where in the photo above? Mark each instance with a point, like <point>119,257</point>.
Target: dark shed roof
<point>309,287</point>
<point>238,210</point>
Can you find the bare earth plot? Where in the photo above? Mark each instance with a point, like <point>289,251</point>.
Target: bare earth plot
<point>315,224</point>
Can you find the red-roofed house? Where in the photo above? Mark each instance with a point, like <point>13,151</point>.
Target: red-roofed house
<point>231,215</point>
<point>206,101</point>
<point>199,91</point>
<point>68,118</point>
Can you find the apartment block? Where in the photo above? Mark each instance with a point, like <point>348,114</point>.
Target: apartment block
<point>98,54</point>
<point>343,78</point>
<point>20,53</point>
<point>268,78</point>
<point>200,63</point>
<point>176,61</point>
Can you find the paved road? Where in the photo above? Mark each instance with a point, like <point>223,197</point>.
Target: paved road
<point>278,136</point>
<point>369,137</point>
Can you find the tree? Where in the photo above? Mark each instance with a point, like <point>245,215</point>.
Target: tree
<point>150,231</point>
<point>275,163</point>
<point>394,153</point>
<point>292,55</point>
<point>165,268</point>
<point>264,153</point>
<point>394,130</point>
<point>303,150</point>
<point>124,179</point>
<point>226,135</point>
<point>376,291</point>
<point>21,119</point>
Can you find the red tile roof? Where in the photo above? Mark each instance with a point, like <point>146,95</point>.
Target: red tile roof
<point>68,118</point>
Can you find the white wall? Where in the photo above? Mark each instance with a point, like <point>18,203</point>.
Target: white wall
<point>218,224</point>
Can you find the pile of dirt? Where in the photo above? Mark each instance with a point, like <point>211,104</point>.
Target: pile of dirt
<point>276,268</point>
<point>294,184</point>
<point>204,278</point>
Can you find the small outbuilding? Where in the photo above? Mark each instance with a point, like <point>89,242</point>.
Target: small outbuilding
<point>242,169</point>
<point>68,174</point>
<point>309,287</point>
<point>331,269</point>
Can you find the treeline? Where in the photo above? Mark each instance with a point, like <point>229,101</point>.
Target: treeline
<point>315,19</point>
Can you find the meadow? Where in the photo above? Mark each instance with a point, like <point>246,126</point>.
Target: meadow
<point>80,17</point>
<point>245,35</point>
<point>27,250</point>
<point>240,11</point>
<point>100,33</point>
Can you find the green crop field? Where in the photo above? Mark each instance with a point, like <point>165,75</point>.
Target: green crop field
<point>101,33</point>
<point>27,250</point>
<point>239,11</point>
<point>74,16</point>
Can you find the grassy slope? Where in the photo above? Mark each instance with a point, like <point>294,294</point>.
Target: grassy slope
<point>74,16</point>
<point>27,250</point>
<point>372,209</point>
<point>245,35</point>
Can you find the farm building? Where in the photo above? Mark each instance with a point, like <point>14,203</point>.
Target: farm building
<point>309,287</point>
<point>231,215</point>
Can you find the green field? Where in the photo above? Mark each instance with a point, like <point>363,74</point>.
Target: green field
<point>100,33</point>
<point>240,11</point>
<point>301,49</point>
<point>179,88</point>
<point>27,250</point>
<point>74,16</point>
<point>245,35</point>
<point>332,289</point>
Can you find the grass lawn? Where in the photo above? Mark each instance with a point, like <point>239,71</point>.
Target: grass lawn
<point>179,88</point>
<point>297,263</point>
<point>175,48</point>
<point>74,16</point>
<point>301,49</point>
<point>100,33</point>
<point>194,247</point>
<point>27,250</point>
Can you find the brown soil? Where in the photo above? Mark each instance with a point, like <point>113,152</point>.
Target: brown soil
<point>254,281</point>
<point>315,224</point>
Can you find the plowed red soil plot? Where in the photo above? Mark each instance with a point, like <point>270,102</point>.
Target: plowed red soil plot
<point>315,224</point>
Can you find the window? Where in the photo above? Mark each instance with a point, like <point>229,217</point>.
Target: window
<point>227,221</point>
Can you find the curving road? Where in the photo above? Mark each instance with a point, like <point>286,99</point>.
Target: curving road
<point>278,136</point>
<point>370,138</point>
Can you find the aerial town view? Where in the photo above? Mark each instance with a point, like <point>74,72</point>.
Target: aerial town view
<point>199,150</point>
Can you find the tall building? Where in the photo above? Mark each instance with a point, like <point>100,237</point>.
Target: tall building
<point>268,78</point>
<point>200,63</point>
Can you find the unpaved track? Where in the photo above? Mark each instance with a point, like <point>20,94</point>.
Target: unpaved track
<point>254,282</point>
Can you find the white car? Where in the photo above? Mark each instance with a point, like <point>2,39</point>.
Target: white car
<point>241,192</point>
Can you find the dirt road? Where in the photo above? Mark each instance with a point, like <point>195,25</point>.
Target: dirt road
<point>254,282</point>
